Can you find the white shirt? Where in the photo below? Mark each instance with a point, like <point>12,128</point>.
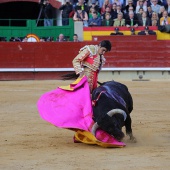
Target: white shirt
<point>168,9</point>
<point>164,22</point>
<point>156,8</point>
<point>144,21</point>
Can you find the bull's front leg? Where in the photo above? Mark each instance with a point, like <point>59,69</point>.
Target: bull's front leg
<point>128,127</point>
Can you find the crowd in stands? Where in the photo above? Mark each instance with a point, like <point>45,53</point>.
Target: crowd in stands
<point>60,38</point>
<point>117,12</point>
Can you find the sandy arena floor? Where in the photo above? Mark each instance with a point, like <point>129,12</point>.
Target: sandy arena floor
<point>28,142</point>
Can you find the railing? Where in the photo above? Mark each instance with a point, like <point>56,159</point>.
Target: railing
<point>21,28</point>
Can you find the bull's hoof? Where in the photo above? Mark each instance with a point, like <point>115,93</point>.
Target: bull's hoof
<point>133,139</point>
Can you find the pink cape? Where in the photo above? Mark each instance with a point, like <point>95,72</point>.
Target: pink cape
<point>70,107</point>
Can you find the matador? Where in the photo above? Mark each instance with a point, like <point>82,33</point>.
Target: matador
<point>90,60</point>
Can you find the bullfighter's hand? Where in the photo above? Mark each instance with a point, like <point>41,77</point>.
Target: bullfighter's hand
<point>81,74</point>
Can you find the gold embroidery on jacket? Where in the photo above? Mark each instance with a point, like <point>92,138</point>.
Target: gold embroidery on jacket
<point>86,51</point>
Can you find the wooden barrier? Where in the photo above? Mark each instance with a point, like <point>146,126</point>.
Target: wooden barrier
<point>47,60</point>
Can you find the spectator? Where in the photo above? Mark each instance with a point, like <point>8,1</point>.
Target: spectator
<point>135,3</point>
<point>149,11</point>
<point>114,11</point>
<point>106,4</point>
<point>117,2</point>
<point>116,32</point>
<point>119,21</point>
<point>25,39</point>
<point>155,19</point>
<point>107,11</point>
<point>147,32</point>
<point>130,4</point>
<point>42,39</point>
<point>148,3</point>
<point>154,22</point>
<point>131,9</point>
<point>139,14</point>
<point>74,2</point>
<point>100,2</point>
<point>164,23</point>
<point>141,5</point>
<point>160,14</point>
<point>75,38</point>
<point>81,15</point>
<point>95,6</point>
<point>48,14</point>
<point>66,8</point>
<point>50,39</point>
<point>3,39</point>
<point>92,9</point>
<point>119,9</point>
<point>83,5</point>
<point>145,2</point>
<point>61,38</point>
<point>95,20</point>
<point>131,21</point>
<point>155,7</point>
<point>15,39</point>
<point>165,20</point>
<point>167,7</point>
<point>144,21</point>
<point>132,30</point>
<point>162,2</point>
<point>107,21</point>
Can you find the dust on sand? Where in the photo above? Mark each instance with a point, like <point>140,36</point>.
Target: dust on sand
<point>28,142</point>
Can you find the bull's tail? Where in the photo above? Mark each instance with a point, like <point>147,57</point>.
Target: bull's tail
<point>71,76</point>
<point>100,83</point>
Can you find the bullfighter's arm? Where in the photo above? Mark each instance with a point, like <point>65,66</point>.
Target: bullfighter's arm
<point>77,61</point>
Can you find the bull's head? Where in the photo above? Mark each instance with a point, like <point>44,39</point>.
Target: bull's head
<point>111,124</point>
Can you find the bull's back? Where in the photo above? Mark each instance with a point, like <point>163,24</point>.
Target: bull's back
<point>120,89</point>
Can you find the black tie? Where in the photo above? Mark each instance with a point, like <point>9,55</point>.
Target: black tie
<point>164,22</point>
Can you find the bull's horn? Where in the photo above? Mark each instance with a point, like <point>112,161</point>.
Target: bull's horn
<point>115,111</point>
<point>94,128</point>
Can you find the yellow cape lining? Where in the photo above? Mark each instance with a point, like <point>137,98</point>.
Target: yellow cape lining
<point>88,138</point>
<point>68,87</point>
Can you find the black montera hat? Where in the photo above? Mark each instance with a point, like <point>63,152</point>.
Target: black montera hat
<point>132,30</point>
<point>116,29</point>
<point>147,28</point>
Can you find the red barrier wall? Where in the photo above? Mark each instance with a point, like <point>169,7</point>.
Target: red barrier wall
<point>127,51</point>
<point>38,54</point>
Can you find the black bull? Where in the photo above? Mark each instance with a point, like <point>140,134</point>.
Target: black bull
<point>112,105</point>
